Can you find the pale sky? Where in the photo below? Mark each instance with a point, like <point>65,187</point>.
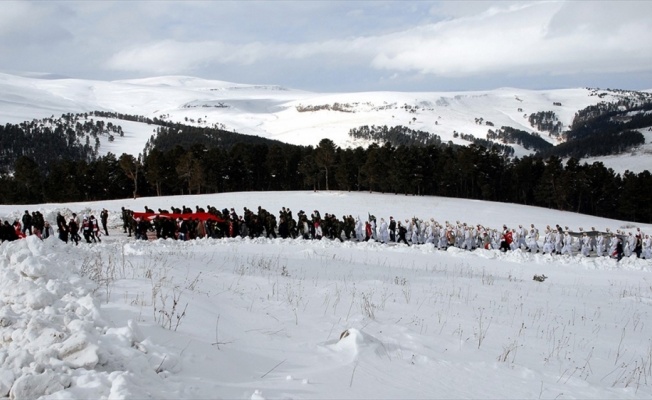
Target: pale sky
<point>331,46</point>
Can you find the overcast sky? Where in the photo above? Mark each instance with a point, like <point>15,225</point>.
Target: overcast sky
<point>333,46</point>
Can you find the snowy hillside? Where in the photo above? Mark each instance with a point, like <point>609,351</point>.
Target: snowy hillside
<point>307,319</point>
<point>294,116</point>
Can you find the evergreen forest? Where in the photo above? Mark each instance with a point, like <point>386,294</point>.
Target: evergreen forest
<point>184,159</point>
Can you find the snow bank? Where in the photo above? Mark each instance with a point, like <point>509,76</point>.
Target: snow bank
<point>54,340</point>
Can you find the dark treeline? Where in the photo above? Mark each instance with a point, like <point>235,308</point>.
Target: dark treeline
<point>170,135</point>
<point>528,140</point>
<point>605,129</point>
<point>395,135</point>
<point>465,172</point>
<point>600,144</point>
<point>505,150</point>
<point>46,143</point>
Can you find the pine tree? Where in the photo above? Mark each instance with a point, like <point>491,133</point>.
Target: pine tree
<point>131,167</point>
<point>325,157</point>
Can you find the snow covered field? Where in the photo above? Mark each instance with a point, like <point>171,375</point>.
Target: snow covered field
<point>262,319</point>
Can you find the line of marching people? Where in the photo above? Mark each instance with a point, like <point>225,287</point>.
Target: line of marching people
<point>72,229</point>
<point>190,224</point>
<point>562,241</point>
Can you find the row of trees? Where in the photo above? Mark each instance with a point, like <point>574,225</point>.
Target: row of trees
<point>45,143</point>
<point>528,140</point>
<point>395,135</point>
<point>466,172</point>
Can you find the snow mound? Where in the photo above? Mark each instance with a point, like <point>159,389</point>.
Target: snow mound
<point>54,338</point>
<point>354,343</point>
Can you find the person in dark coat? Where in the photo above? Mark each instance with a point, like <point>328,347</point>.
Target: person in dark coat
<point>104,218</point>
<point>73,228</point>
<point>7,232</point>
<point>142,225</point>
<point>183,230</point>
<point>619,249</point>
<point>127,219</point>
<point>62,228</point>
<point>402,231</point>
<point>38,221</point>
<point>27,223</point>
<point>392,229</point>
<point>283,228</point>
<point>638,246</point>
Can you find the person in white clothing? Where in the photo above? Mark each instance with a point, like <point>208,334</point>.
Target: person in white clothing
<point>374,234</point>
<point>496,237</point>
<point>599,245</point>
<point>559,241</point>
<point>517,238</point>
<point>443,241</point>
<point>533,236</point>
<point>468,238</point>
<point>435,232</point>
<point>568,243</point>
<point>548,242</point>
<point>647,247</point>
<point>359,230</point>
<point>629,245</point>
<point>460,235</point>
<point>520,240</point>
<point>429,235</point>
<point>586,245</point>
<point>383,231</point>
<point>421,227</point>
<point>613,242</point>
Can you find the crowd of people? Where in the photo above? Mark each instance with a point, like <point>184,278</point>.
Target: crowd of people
<point>184,225</point>
<point>69,229</point>
<point>29,224</point>
<point>187,224</point>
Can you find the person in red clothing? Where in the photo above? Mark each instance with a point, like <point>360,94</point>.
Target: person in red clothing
<point>367,231</point>
<point>506,239</point>
<point>19,231</point>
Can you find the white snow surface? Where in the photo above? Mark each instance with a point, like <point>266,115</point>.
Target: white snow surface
<point>273,112</point>
<point>262,319</point>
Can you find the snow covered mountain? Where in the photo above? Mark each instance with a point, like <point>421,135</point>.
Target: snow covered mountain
<point>299,117</point>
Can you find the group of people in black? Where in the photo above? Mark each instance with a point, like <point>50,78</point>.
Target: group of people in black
<point>29,224</point>
<point>72,229</point>
<point>88,226</point>
<point>191,224</point>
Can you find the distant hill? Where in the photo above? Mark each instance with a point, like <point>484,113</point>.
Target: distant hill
<point>612,126</point>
